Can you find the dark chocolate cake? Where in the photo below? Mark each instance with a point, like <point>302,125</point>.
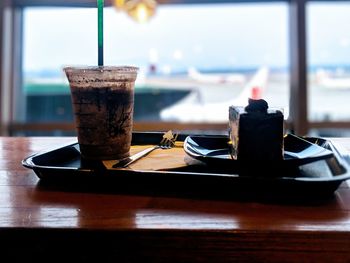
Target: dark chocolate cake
<point>256,132</point>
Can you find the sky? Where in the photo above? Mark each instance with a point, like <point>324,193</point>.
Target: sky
<point>181,36</point>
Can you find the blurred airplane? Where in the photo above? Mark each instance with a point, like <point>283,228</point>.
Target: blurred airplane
<point>323,79</point>
<point>215,78</point>
<point>190,110</point>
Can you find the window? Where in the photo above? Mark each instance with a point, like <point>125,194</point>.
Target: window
<point>192,68</point>
<point>234,38</point>
<point>328,63</point>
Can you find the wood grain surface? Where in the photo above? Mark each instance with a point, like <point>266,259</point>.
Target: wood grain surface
<point>48,223</point>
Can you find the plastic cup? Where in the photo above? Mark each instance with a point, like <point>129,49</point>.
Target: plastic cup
<point>103,105</point>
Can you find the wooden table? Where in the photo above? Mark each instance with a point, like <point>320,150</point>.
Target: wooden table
<point>39,223</point>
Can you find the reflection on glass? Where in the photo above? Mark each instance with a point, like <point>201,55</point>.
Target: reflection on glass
<point>191,68</point>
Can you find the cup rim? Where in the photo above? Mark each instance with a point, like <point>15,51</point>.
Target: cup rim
<point>95,69</point>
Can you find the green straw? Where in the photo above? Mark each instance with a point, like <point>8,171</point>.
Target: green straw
<point>100,4</point>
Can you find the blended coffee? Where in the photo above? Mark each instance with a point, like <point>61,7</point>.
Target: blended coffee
<point>103,104</point>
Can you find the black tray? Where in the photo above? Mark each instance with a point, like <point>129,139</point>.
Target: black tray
<point>64,165</point>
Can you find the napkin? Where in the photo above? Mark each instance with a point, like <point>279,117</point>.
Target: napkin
<point>157,160</point>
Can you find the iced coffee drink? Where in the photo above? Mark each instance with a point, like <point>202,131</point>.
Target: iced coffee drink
<point>103,103</point>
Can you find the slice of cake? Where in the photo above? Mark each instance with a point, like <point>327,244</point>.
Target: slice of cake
<point>256,132</point>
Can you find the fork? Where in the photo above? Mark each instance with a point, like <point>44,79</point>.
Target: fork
<point>167,142</point>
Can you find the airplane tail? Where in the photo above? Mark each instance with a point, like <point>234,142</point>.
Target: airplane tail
<point>193,73</point>
<point>254,88</point>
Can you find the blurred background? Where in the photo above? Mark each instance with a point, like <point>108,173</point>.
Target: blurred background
<point>196,58</point>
